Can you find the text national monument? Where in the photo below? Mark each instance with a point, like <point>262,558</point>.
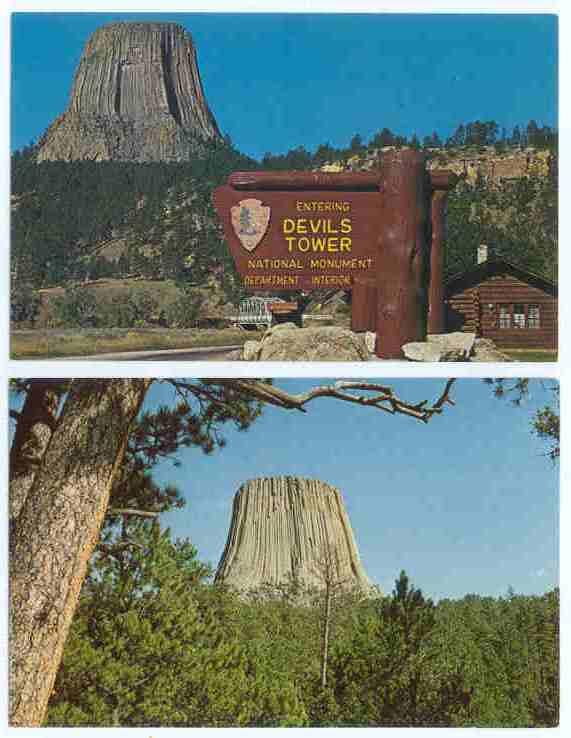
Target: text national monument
<point>379,234</point>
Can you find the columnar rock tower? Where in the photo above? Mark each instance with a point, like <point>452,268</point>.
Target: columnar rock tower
<point>287,528</point>
<point>137,96</point>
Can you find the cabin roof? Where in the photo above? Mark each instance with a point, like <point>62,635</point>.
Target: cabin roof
<point>494,266</point>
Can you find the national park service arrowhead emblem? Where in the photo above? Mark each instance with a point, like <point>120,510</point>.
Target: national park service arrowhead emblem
<point>250,220</point>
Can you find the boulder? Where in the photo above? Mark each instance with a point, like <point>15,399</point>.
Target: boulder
<point>250,350</point>
<point>370,341</point>
<point>279,327</point>
<point>419,351</point>
<point>453,346</point>
<point>330,343</point>
<point>486,350</point>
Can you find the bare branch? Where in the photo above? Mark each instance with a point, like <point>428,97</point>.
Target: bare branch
<point>133,511</point>
<point>382,397</point>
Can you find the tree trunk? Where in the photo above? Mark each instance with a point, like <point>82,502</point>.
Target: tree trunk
<point>33,433</point>
<point>326,626</point>
<point>57,530</point>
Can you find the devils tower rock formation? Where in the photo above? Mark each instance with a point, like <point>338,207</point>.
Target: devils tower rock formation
<point>137,96</point>
<point>286,528</point>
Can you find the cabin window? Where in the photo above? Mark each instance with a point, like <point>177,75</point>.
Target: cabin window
<point>505,316</point>
<point>533,316</point>
<point>519,315</point>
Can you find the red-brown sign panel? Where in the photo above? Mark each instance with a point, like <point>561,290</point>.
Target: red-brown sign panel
<point>367,231</point>
<point>300,231</point>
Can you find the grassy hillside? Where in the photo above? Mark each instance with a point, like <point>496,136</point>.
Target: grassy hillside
<point>149,231</point>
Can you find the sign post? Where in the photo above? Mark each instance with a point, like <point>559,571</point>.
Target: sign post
<point>403,251</point>
<point>365,232</point>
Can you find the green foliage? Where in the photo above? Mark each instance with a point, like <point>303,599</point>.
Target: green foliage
<point>80,308</point>
<point>356,145</point>
<point>144,305</point>
<point>517,220</point>
<point>546,421</point>
<point>298,158</point>
<point>508,652</point>
<point>63,209</point>
<point>155,644</point>
<point>547,426</point>
<point>132,309</point>
<point>65,214</point>
<point>77,308</point>
<point>24,303</point>
<point>185,310</point>
<point>194,418</point>
<point>148,648</point>
<point>485,133</point>
<point>83,306</point>
<point>384,675</point>
<point>473,133</point>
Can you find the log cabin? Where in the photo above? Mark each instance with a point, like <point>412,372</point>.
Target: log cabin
<point>499,300</point>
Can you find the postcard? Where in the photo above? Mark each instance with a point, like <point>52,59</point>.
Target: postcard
<point>284,187</point>
<point>199,553</point>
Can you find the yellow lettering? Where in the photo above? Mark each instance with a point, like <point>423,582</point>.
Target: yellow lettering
<point>288,225</point>
<point>301,225</point>
<point>326,279</point>
<point>319,244</point>
<point>345,244</point>
<point>346,226</point>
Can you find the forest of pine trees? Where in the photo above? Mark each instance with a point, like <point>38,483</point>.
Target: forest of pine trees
<point>154,643</point>
<point>63,213</point>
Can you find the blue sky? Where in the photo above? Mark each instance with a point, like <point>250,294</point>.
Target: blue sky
<point>277,81</point>
<point>467,503</point>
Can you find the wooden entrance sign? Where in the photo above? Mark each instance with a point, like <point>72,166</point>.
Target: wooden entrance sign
<point>300,230</point>
<point>365,232</point>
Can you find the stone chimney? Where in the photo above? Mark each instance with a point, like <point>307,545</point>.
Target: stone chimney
<point>482,253</point>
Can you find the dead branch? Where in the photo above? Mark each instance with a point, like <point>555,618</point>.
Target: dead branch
<point>382,397</point>
<point>134,512</point>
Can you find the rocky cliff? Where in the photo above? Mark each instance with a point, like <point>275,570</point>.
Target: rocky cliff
<point>472,164</point>
<point>492,167</point>
<point>137,96</point>
<point>287,528</point>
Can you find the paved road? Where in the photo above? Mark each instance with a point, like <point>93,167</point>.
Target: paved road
<point>215,353</point>
<point>222,354</point>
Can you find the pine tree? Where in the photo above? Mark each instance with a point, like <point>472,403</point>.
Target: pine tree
<point>59,524</point>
